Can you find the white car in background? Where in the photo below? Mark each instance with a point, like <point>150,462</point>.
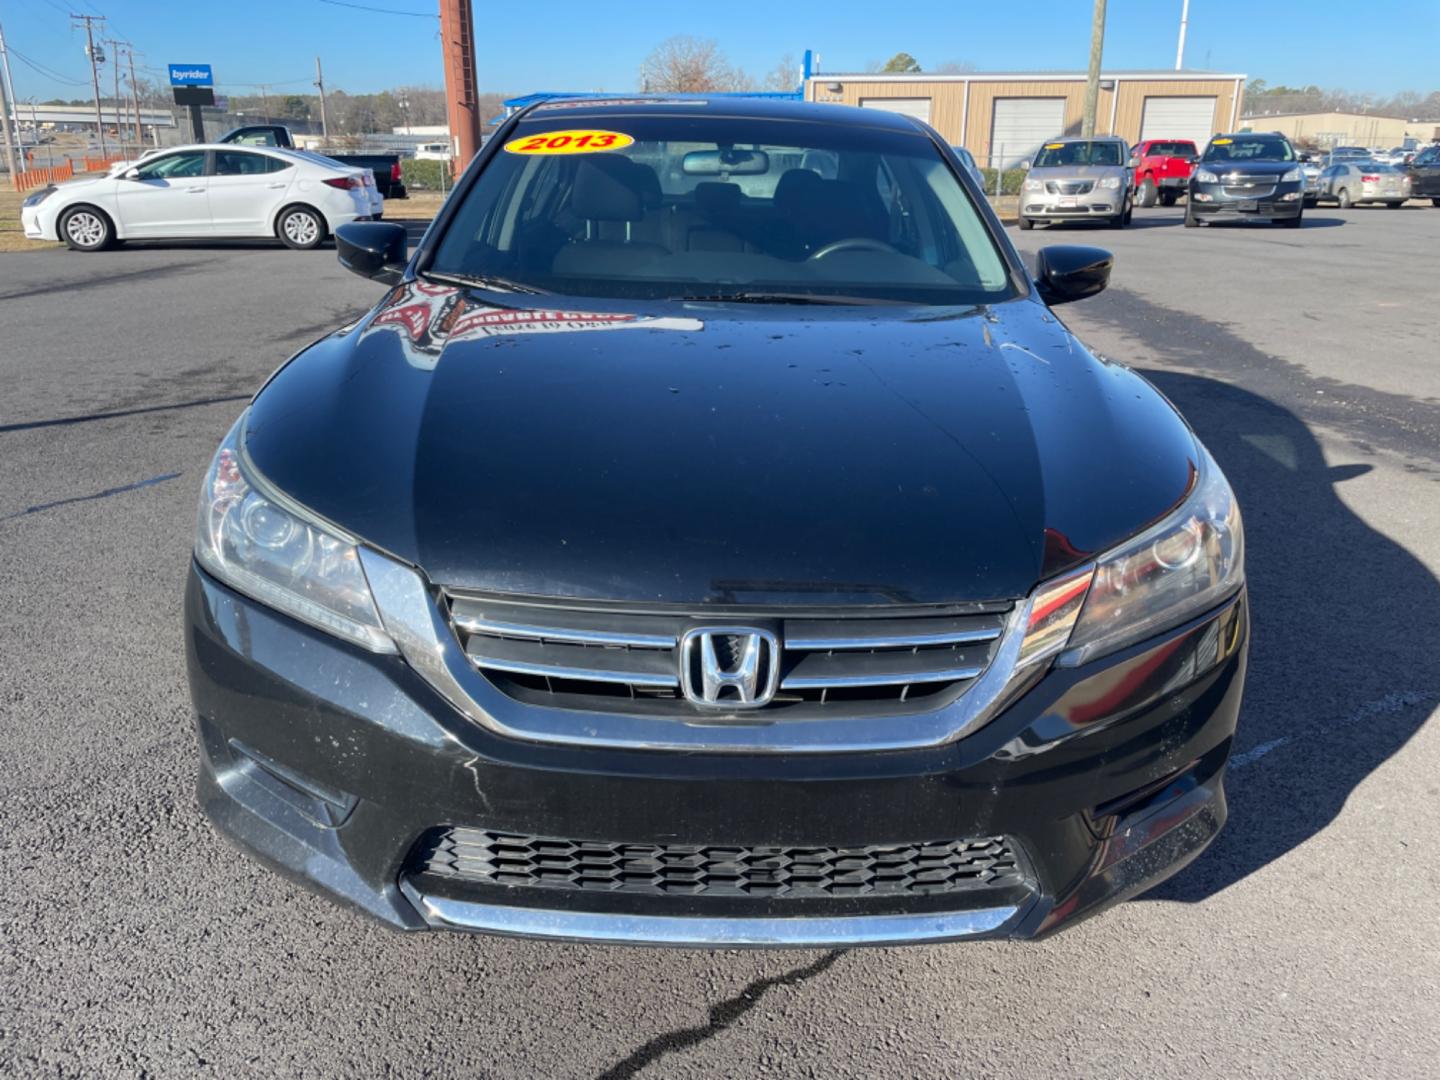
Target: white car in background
<point>199,192</point>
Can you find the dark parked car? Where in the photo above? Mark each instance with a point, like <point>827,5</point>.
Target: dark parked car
<point>1424,170</point>
<point>711,537</point>
<point>1249,175</point>
<point>386,167</point>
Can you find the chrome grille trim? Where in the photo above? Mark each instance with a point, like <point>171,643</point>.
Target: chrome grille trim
<point>798,682</point>
<point>417,616</point>
<point>813,641</point>
<point>473,625</point>
<point>572,648</point>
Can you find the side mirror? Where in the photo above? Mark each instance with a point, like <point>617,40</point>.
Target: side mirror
<point>1194,160</point>
<point>1065,272</point>
<point>1134,163</point>
<point>131,174</point>
<point>377,250</point>
<point>1025,165</point>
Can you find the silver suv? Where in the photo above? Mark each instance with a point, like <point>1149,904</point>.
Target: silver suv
<point>1074,178</point>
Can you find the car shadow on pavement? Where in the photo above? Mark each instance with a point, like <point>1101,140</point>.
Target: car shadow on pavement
<point>1342,659</point>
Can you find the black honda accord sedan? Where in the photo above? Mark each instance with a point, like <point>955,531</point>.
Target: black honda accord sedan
<point>712,538</point>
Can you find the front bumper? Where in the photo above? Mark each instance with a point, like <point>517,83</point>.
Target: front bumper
<point>1282,201</point>
<point>332,763</point>
<point>30,223</point>
<point>1098,204</point>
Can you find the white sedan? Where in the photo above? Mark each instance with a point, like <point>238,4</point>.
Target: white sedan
<point>197,192</point>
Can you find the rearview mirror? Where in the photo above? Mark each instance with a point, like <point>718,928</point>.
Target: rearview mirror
<point>732,162</point>
<point>1065,272</point>
<point>377,250</point>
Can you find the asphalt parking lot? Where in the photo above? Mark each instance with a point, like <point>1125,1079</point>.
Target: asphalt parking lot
<point>1303,943</point>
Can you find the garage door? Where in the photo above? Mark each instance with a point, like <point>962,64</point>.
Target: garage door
<point>918,107</point>
<point>1190,118</point>
<point>1020,125</point>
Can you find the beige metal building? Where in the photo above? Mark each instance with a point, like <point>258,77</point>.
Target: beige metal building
<point>1346,129</point>
<point>1002,117</point>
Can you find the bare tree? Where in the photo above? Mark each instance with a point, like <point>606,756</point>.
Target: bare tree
<point>784,76</point>
<point>688,65</point>
<point>956,67</point>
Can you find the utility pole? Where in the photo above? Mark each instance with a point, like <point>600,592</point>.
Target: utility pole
<point>135,98</point>
<point>265,100</point>
<point>7,102</point>
<point>324,120</point>
<point>5,119</point>
<point>457,38</point>
<point>1180,49</point>
<point>89,21</point>
<point>115,69</point>
<point>1092,79</point>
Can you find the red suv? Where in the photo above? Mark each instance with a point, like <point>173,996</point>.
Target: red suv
<point>1163,170</point>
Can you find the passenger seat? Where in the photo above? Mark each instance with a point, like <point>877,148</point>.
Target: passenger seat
<point>608,195</point>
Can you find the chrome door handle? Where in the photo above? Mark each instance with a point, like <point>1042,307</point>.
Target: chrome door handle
<point>193,190</point>
<point>276,186</point>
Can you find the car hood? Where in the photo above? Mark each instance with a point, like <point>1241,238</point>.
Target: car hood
<point>1249,168</point>
<point>694,453</point>
<point>1078,172</point>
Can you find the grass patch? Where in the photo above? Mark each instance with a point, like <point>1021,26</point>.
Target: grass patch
<point>12,238</point>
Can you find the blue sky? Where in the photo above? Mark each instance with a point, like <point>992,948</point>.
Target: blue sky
<point>1382,46</point>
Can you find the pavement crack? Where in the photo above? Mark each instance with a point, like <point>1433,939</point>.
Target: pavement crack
<point>722,1016</point>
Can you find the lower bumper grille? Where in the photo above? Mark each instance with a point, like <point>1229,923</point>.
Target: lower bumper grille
<point>492,858</point>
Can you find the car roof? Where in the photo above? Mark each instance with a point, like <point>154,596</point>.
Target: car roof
<point>729,107</point>
<point>1092,138</point>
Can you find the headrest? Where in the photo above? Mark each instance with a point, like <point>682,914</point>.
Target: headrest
<point>646,182</point>
<point>714,198</point>
<point>795,186</point>
<point>606,189</point>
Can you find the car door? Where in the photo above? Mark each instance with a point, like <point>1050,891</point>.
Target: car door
<point>165,196</point>
<point>245,190</point>
<point>1425,173</point>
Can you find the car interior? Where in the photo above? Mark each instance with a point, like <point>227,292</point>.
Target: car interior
<point>724,216</point>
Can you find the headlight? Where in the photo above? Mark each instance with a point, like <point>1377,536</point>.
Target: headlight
<point>1110,182</point>
<point>1205,176</point>
<point>1175,570</point>
<point>1292,176</point>
<point>1034,185</point>
<point>37,197</point>
<point>265,546</point>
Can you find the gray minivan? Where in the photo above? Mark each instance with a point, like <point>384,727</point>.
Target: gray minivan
<point>1075,178</point>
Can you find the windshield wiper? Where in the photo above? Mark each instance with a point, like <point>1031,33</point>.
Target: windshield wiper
<point>788,298</point>
<point>482,281</point>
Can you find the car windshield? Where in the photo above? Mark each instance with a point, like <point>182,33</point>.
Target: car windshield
<point>1078,153</point>
<point>1249,148</point>
<point>695,206</point>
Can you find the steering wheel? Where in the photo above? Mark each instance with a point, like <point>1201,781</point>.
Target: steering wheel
<point>852,243</point>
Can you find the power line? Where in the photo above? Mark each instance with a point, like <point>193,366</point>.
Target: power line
<point>381,10</point>
<point>41,69</point>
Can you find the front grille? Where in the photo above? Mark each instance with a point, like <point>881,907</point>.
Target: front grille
<point>1258,190</point>
<point>492,858</point>
<point>1069,187</point>
<point>605,658</point>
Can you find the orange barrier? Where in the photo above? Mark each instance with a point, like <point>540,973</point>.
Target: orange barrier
<point>34,178</point>
<point>100,164</point>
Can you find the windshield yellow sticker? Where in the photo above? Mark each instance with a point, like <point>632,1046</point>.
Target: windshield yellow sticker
<point>569,142</point>
<point>1054,146</point>
<point>1222,142</point>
